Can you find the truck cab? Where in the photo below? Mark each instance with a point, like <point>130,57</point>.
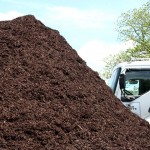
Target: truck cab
<point>130,82</point>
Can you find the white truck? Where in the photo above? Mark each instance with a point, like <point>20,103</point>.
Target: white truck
<point>130,82</point>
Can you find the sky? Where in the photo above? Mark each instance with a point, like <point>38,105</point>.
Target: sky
<point>89,26</point>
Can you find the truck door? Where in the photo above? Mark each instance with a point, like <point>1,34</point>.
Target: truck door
<point>137,85</point>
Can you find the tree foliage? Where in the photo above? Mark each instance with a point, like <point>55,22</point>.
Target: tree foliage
<point>134,25</point>
<point>113,60</point>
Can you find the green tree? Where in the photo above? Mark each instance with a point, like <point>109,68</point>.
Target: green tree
<point>134,25</point>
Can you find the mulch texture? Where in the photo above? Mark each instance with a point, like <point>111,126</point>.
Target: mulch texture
<point>51,100</point>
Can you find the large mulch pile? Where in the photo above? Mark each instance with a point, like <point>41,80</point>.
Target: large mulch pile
<point>51,100</point>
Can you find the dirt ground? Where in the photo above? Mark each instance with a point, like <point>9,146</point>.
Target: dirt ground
<point>51,100</point>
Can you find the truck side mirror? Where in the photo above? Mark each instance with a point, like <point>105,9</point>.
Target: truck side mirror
<point>122,81</point>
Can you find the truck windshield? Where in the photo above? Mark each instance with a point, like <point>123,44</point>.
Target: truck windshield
<point>137,81</point>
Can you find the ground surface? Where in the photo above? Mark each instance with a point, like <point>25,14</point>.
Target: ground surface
<point>51,100</point>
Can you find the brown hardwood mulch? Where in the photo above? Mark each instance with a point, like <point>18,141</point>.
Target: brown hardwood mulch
<point>51,100</point>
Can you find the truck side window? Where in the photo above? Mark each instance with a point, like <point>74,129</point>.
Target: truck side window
<point>137,81</point>
<point>132,86</point>
<point>114,79</point>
